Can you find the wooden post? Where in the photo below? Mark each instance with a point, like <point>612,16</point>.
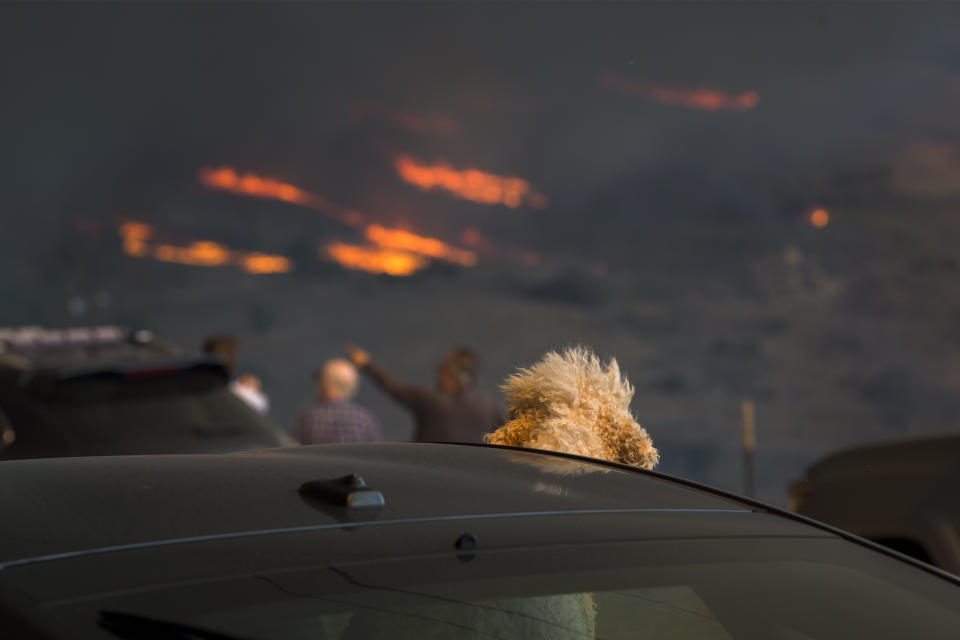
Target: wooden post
<point>749,433</point>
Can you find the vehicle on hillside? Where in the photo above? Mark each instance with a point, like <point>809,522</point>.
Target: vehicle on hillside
<point>899,493</point>
<point>418,541</point>
<point>108,391</point>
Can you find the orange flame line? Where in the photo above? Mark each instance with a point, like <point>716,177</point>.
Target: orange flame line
<point>408,241</point>
<point>375,260</point>
<point>392,253</point>
<point>138,243</point>
<point>468,184</point>
<point>265,263</point>
<point>251,184</point>
<point>702,99</point>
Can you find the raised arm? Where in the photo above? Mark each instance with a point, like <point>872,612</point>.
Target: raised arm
<point>410,395</point>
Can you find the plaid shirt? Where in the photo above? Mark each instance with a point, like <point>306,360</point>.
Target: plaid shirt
<point>328,421</point>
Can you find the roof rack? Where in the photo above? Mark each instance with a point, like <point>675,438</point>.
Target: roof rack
<point>33,337</point>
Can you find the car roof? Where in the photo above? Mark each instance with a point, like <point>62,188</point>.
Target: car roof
<point>40,368</point>
<point>60,350</point>
<point>117,501</point>
<point>932,452</point>
<point>78,527</point>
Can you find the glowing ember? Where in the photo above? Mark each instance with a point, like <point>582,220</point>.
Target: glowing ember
<point>135,236</point>
<point>250,184</point>
<point>819,218</point>
<point>138,243</point>
<point>265,263</point>
<point>469,184</point>
<point>413,243</point>
<point>405,120</point>
<point>702,99</point>
<point>375,260</point>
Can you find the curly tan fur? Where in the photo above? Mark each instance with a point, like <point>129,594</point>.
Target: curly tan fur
<point>570,402</point>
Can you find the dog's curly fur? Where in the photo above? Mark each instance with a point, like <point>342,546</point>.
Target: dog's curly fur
<point>573,403</point>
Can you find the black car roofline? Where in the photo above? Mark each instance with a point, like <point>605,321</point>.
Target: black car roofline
<point>40,376</point>
<point>67,555</point>
<point>180,364</point>
<point>753,505</point>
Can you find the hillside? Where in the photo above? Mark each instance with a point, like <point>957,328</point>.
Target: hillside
<point>838,336</point>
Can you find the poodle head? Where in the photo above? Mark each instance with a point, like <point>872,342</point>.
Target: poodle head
<point>573,403</point>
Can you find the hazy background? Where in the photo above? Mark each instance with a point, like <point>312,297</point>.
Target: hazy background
<point>677,233</point>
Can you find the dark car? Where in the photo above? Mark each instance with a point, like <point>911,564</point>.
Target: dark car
<point>108,391</point>
<point>418,541</point>
<point>901,493</point>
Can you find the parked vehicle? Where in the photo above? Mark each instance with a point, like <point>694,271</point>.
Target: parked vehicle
<point>414,541</point>
<point>107,391</point>
<point>900,493</point>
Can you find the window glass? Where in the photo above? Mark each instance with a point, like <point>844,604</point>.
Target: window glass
<point>705,589</point>
<point>110,409</point>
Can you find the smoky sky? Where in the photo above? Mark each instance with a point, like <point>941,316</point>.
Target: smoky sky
<point>110,107</point>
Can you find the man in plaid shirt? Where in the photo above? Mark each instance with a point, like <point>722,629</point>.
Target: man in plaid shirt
<point>333,417</point>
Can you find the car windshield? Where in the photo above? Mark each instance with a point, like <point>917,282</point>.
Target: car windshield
<point>762,589</point>
<point>162,411</point>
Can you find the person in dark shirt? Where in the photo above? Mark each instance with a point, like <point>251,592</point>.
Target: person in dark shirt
<point>454,411</point>
<point>333,417</point>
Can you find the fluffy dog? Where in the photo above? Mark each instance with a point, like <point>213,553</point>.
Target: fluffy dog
<point>572,403</point>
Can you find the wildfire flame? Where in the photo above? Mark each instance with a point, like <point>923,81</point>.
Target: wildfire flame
<point>135,236</point>
<point>701,99</point>
<point>405,120</point>
<point>819,218</point>
<point>138,242</point>
<point>395,252</point>
<point>469,184</point>
<point>398,252</point>
<point>251,184</point>
<point>375,259</point>
<point>430,247</point>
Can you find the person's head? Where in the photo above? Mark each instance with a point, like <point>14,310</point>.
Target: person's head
<point>225,347</point>
<point>337,380</point>
<point>457,371</point>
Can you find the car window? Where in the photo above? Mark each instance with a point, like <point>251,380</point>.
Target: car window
<point>663,613</point>
<point>711,601</point>
<point>106,410</point>
<point>704,589</point>
<point>29,433</point>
